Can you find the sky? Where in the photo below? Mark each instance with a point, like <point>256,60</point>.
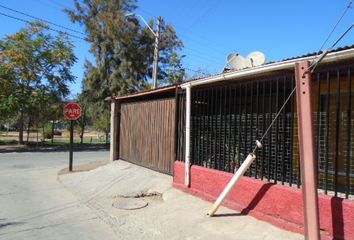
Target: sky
<point>212,29</point>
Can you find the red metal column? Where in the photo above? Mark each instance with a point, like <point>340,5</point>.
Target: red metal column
<point>307,150</point>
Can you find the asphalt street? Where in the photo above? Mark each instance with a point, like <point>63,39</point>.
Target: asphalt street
<point>34,205</point>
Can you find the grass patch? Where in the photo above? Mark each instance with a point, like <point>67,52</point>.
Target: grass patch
<point>87,140</point>
<point>8,142</point>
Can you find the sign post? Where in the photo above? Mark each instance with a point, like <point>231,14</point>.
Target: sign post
<point>72,112</point>
<point>71,145</point>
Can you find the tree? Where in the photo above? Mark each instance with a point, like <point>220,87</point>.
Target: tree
<point>83,99</point>
<point>36,64</point>
<point>123,52</point>
<point>200,72</point>
<point>7,99</point>
<point>175,73</point>
<point>123,49</point>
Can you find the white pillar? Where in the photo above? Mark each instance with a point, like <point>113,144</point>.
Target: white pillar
<point>188,127</point>
<point>113,153</point>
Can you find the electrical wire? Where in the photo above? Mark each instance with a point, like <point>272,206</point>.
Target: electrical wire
<point>47,27</point>
<point>49,4</point>
<point>209,10</point>
<point>69,29</point>
<point>319,58</point>
<point>311,68</point>
<point>276,117</point>
<point>197,71</point>
<point>71,35</point>
<point>199,53</point>
<point>40,19</point>
<point>198,56</point>
<point>57,3</point>
<point>336,25</point>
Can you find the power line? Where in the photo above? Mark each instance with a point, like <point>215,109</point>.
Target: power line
<point>336,25</point>
<point>49,4</point>
<point>204,41</point>
<point>40,19</point>
<point>319,57</point>
<point>199,56</point>
<point>185,34</point>
<point>47,27</point>
<point>197,71</point>
<point>146,12</point>
<point>58,4</point>
<point>63,32</point>
<point>57,25</point>
<point>209,10</point>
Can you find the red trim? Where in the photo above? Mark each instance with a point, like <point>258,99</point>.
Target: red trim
<point>279,205</point>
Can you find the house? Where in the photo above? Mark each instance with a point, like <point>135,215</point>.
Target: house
<point>226,114</point>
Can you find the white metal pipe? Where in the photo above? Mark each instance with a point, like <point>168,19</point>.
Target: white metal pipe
<point>239,173</point>
<point>289,64</point>
<point>188,128</point>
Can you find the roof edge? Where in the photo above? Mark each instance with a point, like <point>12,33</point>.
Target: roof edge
<point>148,92</point>
<point>284,65</point>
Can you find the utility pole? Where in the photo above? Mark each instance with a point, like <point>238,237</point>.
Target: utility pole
<point>156,54</point>
<point>156,48</point>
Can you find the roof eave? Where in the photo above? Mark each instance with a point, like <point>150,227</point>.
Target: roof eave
<point>284,65</point>
<point>140,94</point>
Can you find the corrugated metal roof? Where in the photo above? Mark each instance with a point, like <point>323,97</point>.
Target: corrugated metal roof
<point>318,53</point>
<point>303,56</point>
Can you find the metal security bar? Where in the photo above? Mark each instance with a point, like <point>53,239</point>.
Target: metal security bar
<point>335,135</point>
<point>180,125</point>
<point>226,120</point>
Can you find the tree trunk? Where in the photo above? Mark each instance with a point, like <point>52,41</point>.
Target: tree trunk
<point>107,132</point>
<point>83,123</point>
<point>20,123</point>
<point>53,125</point>
<point>82,133</point>
<point>28,129</point>
<point>43,135</point>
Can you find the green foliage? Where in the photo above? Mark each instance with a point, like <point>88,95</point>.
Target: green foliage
<point>8,99</point>
<point>123,51</point>
<point>101,116</point>
<point>47,131</point>
<point>198,73</point>
<point>35,68</point>
<point>175,73</point>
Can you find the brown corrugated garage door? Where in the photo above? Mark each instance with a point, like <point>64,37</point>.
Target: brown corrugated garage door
<point>147,130</point>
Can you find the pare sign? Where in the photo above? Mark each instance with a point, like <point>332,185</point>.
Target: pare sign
<point>72,111</point>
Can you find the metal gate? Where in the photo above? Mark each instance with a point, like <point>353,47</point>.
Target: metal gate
<point>147,133</point>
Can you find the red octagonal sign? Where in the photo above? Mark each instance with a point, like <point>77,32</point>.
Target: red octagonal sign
<point>72,111</point>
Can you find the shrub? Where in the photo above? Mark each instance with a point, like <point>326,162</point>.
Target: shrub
<point>47,134</point>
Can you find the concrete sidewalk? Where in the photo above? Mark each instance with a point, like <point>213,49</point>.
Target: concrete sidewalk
<point>113,189</point>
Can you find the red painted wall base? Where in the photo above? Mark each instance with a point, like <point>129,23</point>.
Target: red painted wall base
<point>279,205</point>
